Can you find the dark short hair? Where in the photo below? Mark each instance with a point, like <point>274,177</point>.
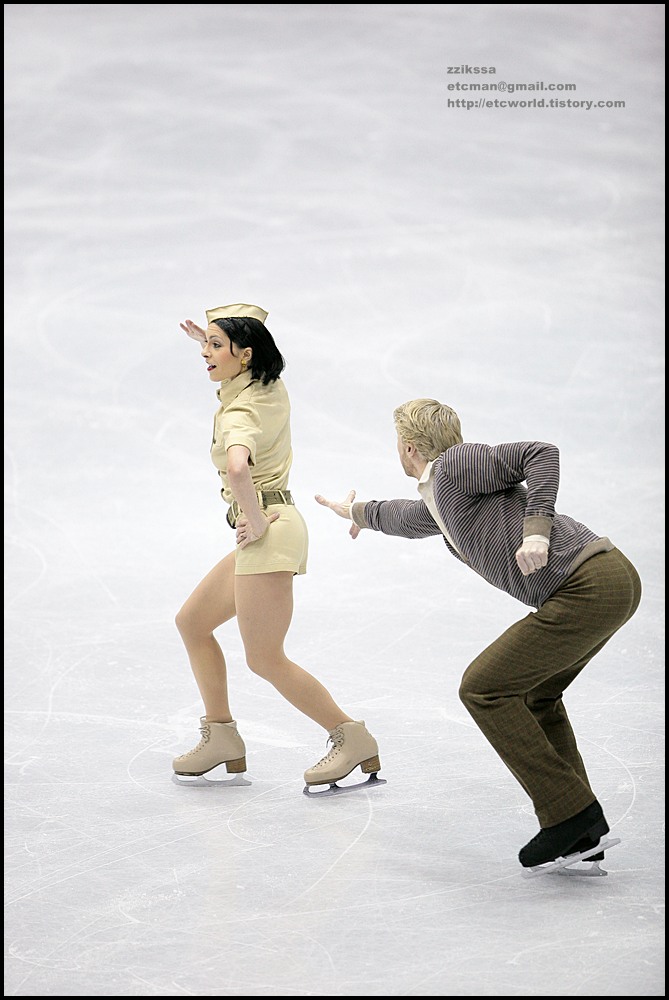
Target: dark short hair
<point>267,362</point>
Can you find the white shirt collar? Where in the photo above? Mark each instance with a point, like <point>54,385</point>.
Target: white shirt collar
<point>427,472</point>
<point>426,490</point>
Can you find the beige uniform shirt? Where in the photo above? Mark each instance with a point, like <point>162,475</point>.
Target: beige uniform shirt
<point>256,416</point>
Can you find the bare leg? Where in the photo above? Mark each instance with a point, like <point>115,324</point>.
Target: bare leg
<point>211,604</point>
<point>264,603</point>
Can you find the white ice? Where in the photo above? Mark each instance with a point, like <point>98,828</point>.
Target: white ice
<point>163,159</point>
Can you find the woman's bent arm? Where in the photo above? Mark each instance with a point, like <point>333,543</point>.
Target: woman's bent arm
<point>244,492</point>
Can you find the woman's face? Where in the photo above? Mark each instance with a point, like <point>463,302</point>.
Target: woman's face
<point>217,352</point>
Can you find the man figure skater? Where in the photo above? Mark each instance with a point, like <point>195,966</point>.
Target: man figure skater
<point>495,507</point>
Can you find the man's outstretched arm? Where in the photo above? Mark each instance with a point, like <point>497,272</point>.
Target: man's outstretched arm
<point>405,518</point>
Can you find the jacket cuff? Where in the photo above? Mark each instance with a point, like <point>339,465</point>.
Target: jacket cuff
<point>358,513</point>
<point>537,525</point>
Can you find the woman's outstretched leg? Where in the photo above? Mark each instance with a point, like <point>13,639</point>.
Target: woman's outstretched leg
<point>264,603</point>
<point>211,604</point>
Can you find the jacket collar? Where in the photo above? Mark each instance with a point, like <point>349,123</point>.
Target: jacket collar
<point>230,388</point>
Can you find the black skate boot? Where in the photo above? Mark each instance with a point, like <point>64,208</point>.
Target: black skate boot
<point>584,844</point>
<point>566,838</point>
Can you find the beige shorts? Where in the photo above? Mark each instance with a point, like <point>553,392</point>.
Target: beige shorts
<point>283,548</point>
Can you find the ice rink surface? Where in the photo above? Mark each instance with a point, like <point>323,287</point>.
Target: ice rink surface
<point>311,158</point>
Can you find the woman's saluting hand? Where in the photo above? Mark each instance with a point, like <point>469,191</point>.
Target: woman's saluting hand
<point>194,331</point>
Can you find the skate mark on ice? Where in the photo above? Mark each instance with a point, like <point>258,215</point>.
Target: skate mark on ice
<point>337,860</point>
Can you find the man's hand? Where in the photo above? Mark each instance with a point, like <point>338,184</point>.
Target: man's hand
<point>531,556</point>
<point>343,509</point>
<point>194,331</point>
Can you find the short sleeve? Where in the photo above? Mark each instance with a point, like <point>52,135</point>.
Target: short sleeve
<point>241,426</point>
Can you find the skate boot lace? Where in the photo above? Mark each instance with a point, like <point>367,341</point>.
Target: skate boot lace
<point>336,737</point>
<point>206,735</point>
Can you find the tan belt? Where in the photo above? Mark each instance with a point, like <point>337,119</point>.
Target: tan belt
<point>265,498</point>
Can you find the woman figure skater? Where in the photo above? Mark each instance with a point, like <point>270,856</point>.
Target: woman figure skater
<point>251,449</point>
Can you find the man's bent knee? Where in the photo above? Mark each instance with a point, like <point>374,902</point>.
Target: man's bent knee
<point>468,694</point>
<point>469,689</point>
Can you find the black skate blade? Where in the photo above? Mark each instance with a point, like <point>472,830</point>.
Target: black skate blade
<point>204,781</point>
<point>320,791</point>
<point>562,866</point>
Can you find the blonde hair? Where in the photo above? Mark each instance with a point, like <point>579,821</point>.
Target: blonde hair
<point>431,426</point>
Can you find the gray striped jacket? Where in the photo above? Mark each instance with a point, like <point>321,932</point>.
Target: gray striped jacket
<point>489,498</point>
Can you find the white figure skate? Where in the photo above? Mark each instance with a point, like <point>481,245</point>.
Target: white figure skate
<point>220,744</point>
<point>352,745</point>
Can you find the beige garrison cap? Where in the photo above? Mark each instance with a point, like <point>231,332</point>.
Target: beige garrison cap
<point>239,309</point>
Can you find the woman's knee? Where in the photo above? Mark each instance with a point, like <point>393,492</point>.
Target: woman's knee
<point>264,664</point>
<point>187,625</point>
<point>255,665</point>
<point>181,621</point>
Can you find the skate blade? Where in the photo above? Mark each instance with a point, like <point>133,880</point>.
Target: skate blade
<point>204,781</point>
<point>320,791</point>
<point>588,871</point>
<point>561,866</point>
